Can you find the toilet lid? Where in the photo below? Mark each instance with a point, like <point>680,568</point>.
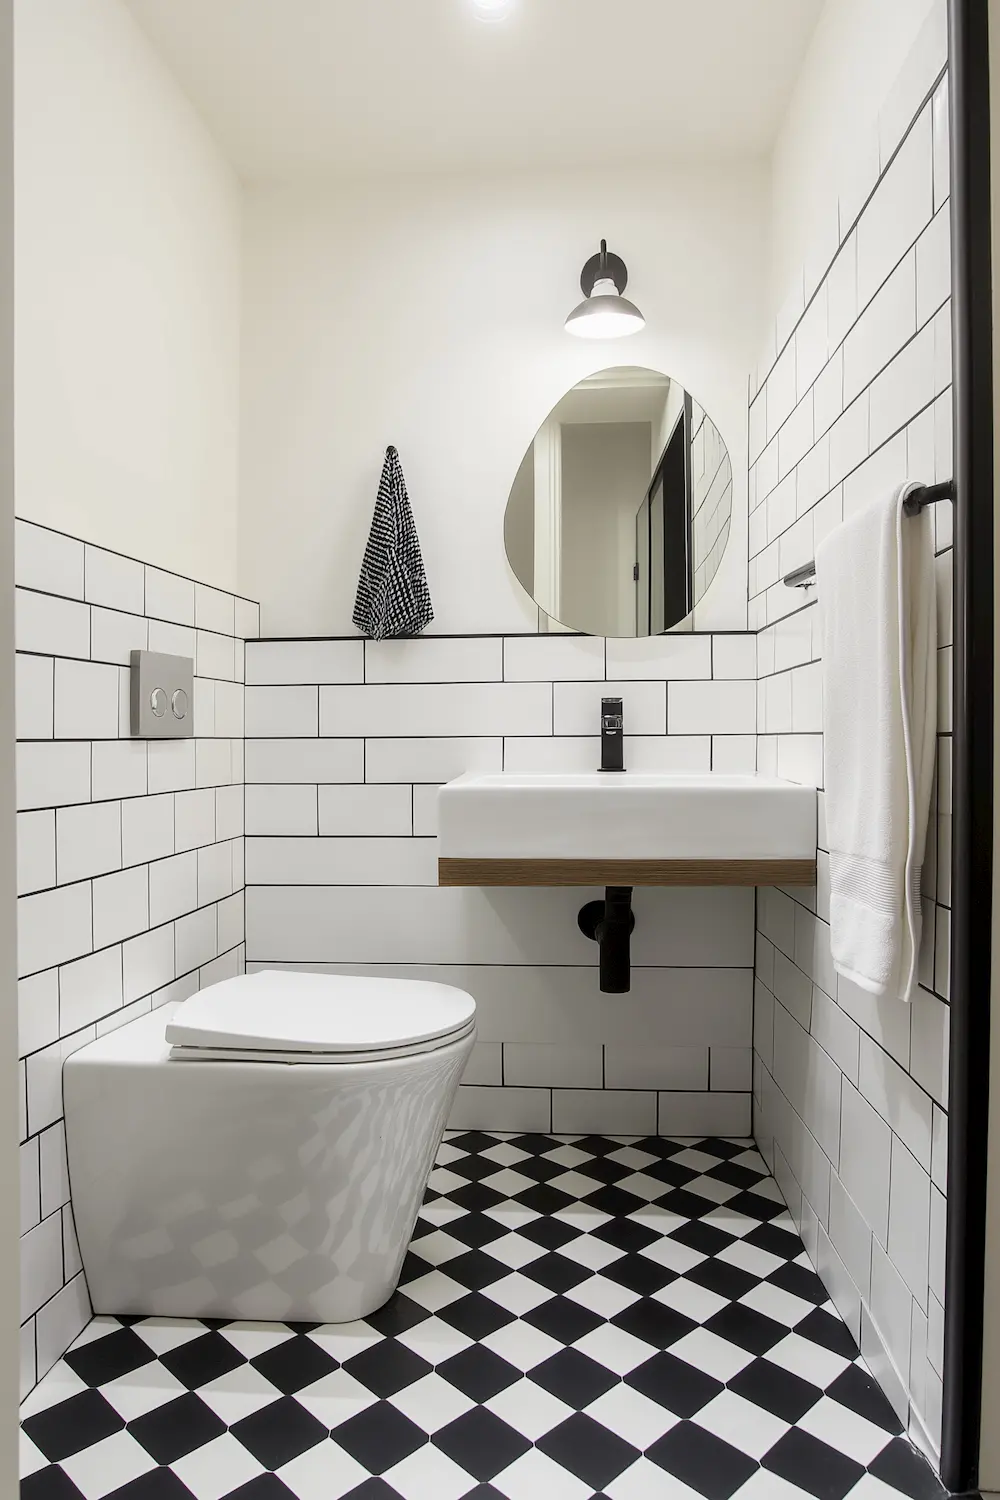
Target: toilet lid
<point>330,1013</point>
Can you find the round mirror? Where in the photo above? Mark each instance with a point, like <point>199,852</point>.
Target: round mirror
<point>619,514</point>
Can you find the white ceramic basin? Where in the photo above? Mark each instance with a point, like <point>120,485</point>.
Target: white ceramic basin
<point>626,816</point>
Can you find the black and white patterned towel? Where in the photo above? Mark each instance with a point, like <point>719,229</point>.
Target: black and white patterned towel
<point>393,597</point>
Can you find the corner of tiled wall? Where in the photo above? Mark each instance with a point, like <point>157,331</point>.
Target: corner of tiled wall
<point>130,854</point>
<point>852,397</point>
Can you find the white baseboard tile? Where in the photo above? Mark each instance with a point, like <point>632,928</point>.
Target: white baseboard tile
<point>485,1066</point>
<point>883,1367</point>
<point>651,1067</point>
<point>60,1322</point>
<point>603,1112</point>
<point>704,1114</point>
<point>549,1065</point>
<point>515,1110</point>
<point>836,1278</point>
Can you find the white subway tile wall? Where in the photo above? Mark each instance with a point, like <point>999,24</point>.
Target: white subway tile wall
<point>850,1091</point>
<point>130,855</point>
<point>342,862</point>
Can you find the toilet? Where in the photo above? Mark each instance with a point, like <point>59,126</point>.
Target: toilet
<point>261,1151</point>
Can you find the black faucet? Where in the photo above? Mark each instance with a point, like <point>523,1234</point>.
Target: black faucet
<point>612,735</point>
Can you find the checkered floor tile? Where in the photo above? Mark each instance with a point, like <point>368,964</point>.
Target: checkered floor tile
<point>577,1317</point>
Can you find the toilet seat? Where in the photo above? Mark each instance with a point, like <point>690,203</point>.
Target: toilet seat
<point>280,1017</point>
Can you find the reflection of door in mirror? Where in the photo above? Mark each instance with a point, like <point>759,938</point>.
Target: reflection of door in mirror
<point>667,515</point>
<point>574,538</point>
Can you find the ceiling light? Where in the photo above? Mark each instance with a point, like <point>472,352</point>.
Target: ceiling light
<point>604,313</point>
<point>492,10</point>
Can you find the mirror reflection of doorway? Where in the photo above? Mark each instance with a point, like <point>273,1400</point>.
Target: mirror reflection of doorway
<point>663,573</point>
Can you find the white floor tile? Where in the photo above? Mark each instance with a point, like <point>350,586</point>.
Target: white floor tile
<point>431,1402</point>
<point>710,1353</point>
<point>428,1474</point>
<point>322,1473</point>
<point>529,1409</point>
<point>534,1476</point>
<point>109,1465</point>
<point>742,1424</point>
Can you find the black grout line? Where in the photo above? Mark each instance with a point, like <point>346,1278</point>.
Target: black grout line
<point>883,172</point>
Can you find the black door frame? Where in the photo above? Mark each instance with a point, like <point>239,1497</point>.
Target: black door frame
<point>972,856</point>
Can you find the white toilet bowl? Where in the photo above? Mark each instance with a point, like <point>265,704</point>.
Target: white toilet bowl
<point>262,1151</point>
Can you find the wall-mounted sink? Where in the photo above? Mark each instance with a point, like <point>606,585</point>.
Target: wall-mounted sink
<point>634,828</point>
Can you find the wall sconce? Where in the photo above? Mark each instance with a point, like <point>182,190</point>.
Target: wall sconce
<point>604,313</point>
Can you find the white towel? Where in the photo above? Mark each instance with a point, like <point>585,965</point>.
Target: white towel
<point>876,585</point>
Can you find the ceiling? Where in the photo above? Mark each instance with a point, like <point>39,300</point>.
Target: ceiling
<point>299,88</point>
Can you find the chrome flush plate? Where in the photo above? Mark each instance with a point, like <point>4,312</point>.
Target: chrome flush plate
<point>162,696</point>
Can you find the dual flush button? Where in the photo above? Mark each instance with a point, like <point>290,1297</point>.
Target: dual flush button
<point>178,703</point>
<point>162,694</point>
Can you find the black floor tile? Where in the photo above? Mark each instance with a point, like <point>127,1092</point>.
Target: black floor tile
<point>552,1234</point>
<point>574,1377</point>
<point>639,1274</point>
<point>563,1319</point>
<point>654,1322</point>
<point>900,1466</point>
<point>481,1444</point>
<point>812,1465</point>
<point>557,1272</point>
<point>171,1431</point>
<point>861,1392</point>
<point>264,1487</point>
<point>201,1360</point>
<point>478,1373</point>
<point>627,1234</point>
<point>701,1460</point>
<point>380,1437</point>
<point>720,1277</point>
<point>52,1483</point>
<point>476,1315</point>
<point>294,1364</point>
<point>396,1316</point>
<point>157,1484</point>
<point>674,1384</point>
<point>107,1358</point>
<point>280,1432</point>
<point>747,1327</point>
<point>801,1281</point>
<point>775,1389</point>
<point>822,1327</point>
<point>71,1425</point>
<point>588,1450</point>
<point>387,1368</point>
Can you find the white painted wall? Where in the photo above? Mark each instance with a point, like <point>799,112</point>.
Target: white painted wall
<point>127,296</point>
<point>428,313</point>
<point>830,130</point>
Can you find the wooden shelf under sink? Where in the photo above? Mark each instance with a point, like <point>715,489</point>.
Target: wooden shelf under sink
<point>551,872</point>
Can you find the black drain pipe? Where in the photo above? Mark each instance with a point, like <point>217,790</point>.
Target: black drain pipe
<point>610,923</point>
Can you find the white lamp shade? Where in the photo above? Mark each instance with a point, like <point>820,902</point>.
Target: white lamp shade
<point>605,314</point>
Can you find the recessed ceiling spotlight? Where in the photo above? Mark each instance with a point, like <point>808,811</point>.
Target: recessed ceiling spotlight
<point>604,312</point>
<point>492,10</point>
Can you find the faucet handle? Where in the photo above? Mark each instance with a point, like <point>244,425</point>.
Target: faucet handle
<point>612,717</point>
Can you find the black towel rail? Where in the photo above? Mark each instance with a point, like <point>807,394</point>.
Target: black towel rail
<point>916,500</point>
